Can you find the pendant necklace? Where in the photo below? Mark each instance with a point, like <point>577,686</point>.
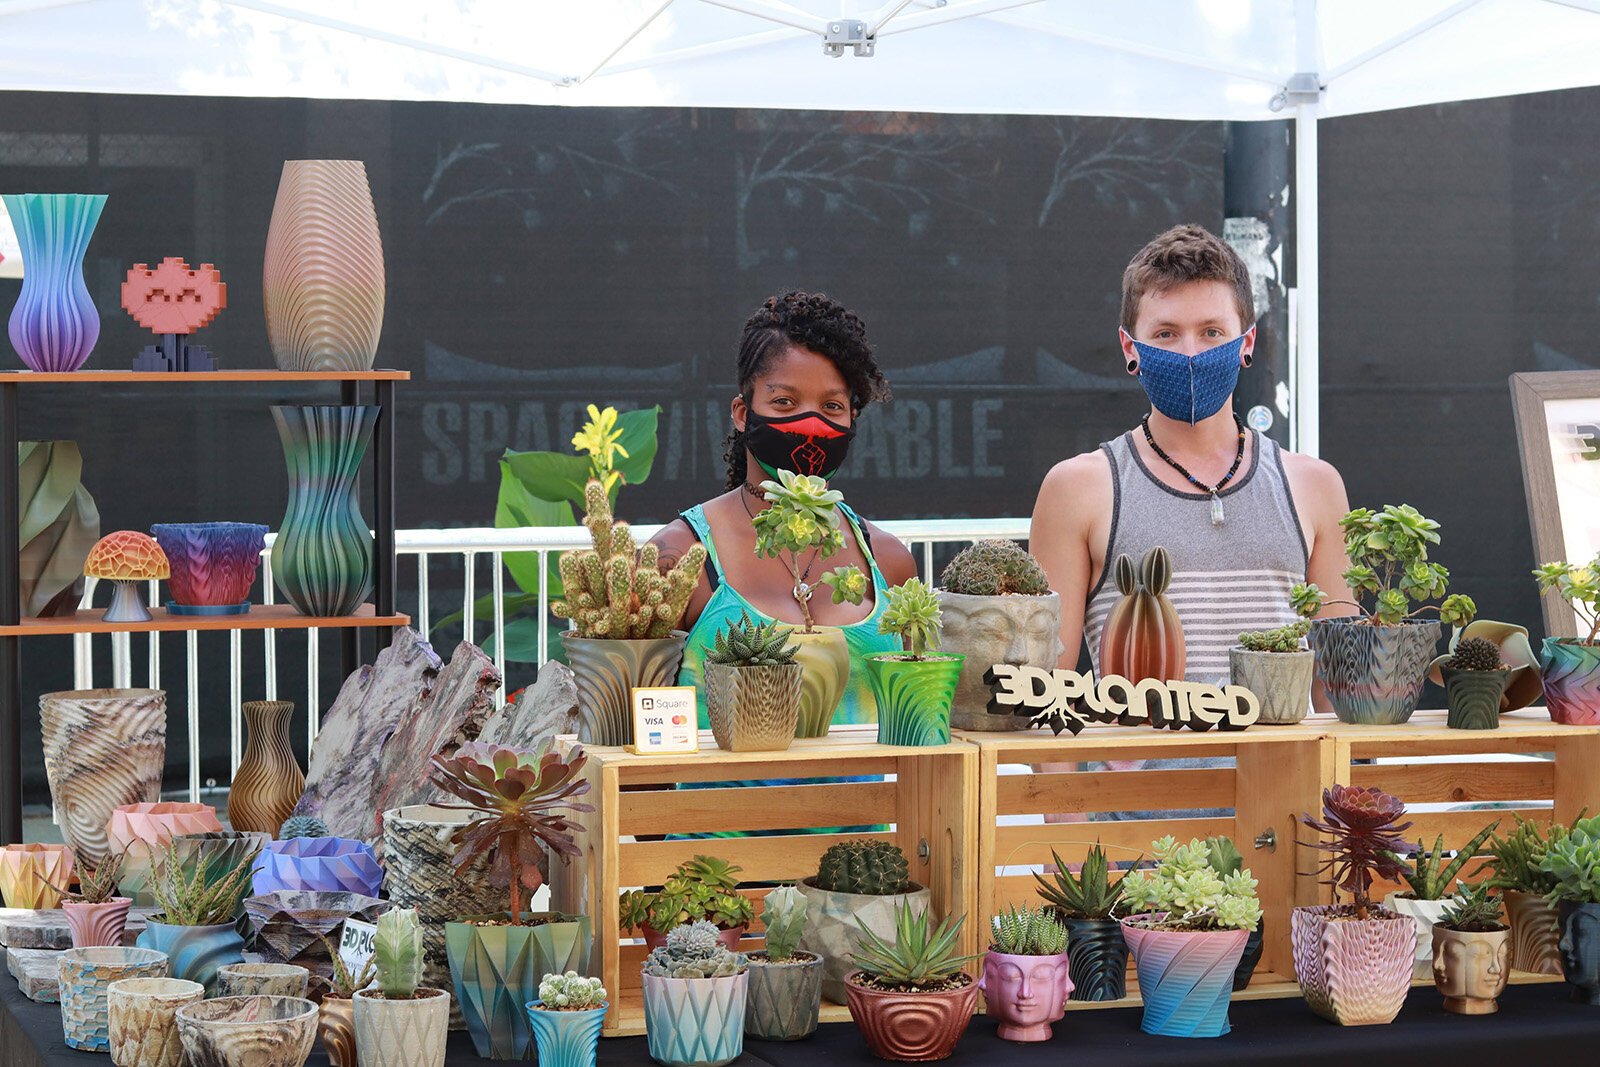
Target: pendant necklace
<point>1217,516</point>
<point>802,590</point>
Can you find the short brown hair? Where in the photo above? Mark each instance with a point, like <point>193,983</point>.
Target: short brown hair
<point>1186,253</point>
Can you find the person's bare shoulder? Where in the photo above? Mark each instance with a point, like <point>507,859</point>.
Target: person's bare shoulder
<point>894,558</point>
<point>672,541</point>
<point>1316,483</point>
<point>1085,478</point>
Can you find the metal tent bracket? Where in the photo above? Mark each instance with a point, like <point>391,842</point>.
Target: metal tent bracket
<point>847,33</point>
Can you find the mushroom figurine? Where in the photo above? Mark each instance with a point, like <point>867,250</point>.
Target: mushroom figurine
<point>125,559</point>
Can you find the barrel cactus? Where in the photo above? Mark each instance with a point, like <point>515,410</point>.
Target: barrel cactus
<point>1143,637</point>
<point>302,826</point>
<point>866,868</point>
<point>994,567</point>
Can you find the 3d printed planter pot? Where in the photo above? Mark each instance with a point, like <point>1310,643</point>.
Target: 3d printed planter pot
<point>143,1016</point>
<point>1533,933</point>
<point>96,925</point>
<point>911,1027</point>
<point>322,557</point>
<point>567,1038</point>
<point>695,1022</point>
<point>1422,913</point>
<point>1253,946</point>
<point>262,980</point>
<point>1098,954</point>
<point>784,999</point>
<point>753,709</point>
<point>213,565</point>
<point>195,952</point>
<point>54,325</point>
<point>292,923</point>
<point>322,280</point>
<point>1024,630</point>
<point>420,873</point>
<point>1354,972</point>
<point>318,864</point>
<point>401,1033</point>
<point>824,656</point>
<point>496,971</point>
<point>1373,674</point>
<point>1580,949</point>
<point>1473,698</point>
<point>59,525</point>
<point>218,852</point>
<point>104,749</point>
<point>248,1031</point>
<point>140,831</point>
<point>268,783</point>
<point>1280,680</point>
<point>336,1027</point>
<point>84,974</point>
<point>1025,994</point>
<point>608,670</point>
<point>1185,978</point>
<point>1523,685</point>
<point>1470,969</point>
<point>832,931</point>
<point>30,873</point>
<point>913,696</point>
<point>1571,681</point>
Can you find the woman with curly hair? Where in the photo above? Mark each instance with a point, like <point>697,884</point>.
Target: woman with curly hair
<point>805,375</point>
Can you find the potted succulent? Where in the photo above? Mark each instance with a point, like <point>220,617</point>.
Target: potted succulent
<point>1026,974</point>
<point>1187,934</point>
<point>527,797</point>
<point>95,914</point>
<point>624,614</point>
<point>197,921</point>
<point>1475,683</point>
<point>336,1020</point>
<point>753,687</point>
<point>859,885</point>
<point>1088,904</point>
<point>400,1023</point>
<point>785,983</point>
<point>913,688</point>
<point>1573,862</point>
<point>141,831</point>
<point>997,607</point>
<point>1571,665</point>
<point>694,999</point>
<point>1226,860</point>
<point>1276,666</point>
<point>1373,667</point>
<point>1523,685</point>
<point>1354,961</point>
<point>1429,878</point>
<point>567,1018</point>
<point>1515,863</point>
<point>909,996</point>
<point>702,888</point>
<point>1471,952</point>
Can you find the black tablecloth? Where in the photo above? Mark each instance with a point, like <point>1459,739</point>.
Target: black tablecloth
<point>1535,1023</point>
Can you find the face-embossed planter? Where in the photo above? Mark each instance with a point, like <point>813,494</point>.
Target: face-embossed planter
<point>1373,674</point>
<point>1470,968</point>
<point>144,1025</point>
<point>1025,994</point>
<point>1011,628</point>
<point>608,670</point>
<point>1353,972</point>
<point>911,1027</point>
<point>248,1031</point>
<point>84,975</point>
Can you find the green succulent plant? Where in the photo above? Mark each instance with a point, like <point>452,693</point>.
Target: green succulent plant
<point>747,643</point>
<point>847,584</point>
<point>1283,639</point>
<point>784,915</point>
<point>397,952</point>
<point>96,885</point>
<point>1089,895</point>
<point>994,567</point>
<point>1515,858</point>
<point>913,615</point>
<point>1389,565</point>
<point>1573,864</point>
<point>1430,877</point>
<point>571,991</point>
<point>804,515</point>
<point>693,951</point>
<point>867,868</point>
<point>1579,586</point>
<point>921,956</point>
<point>1473,908</point>
<point>201,896</point>
<point>1193,893</point>
<point>701,888</point>
<point>1027,931</point>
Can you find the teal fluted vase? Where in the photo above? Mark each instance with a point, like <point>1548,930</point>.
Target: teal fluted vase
<point>54,324</point>
<point>914,696</point>
<point>566,1038</point>
<point>322,559</point>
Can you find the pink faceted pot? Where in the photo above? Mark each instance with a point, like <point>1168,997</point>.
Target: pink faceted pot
<point>1353,972</point>
<point>96,925</point>
<point>141,831</point>
<point>1025,994</point>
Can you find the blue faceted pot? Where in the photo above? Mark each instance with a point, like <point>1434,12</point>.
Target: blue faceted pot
<point>318,865</point>
<point>195,952</point>
<point>566,1038</point>
<point>496,971</point>
<point>695,1022</point>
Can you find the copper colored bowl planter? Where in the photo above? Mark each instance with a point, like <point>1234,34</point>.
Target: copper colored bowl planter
<point>911,1027</point>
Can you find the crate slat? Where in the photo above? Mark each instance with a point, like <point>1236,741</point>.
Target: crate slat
<point>766,859</point>
<point>1097,791</point>
<point>781,807</point>
<point>1459,782</point>
<point>1125,841</point>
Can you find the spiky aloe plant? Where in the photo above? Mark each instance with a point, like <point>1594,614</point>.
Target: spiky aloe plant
<point>1473,909</point>
<point>1027,931</point>
<point>1091,895</point>
<point>96,885</point>
<point>747,643</point>
<point>1364,825</point>
<point>921,957</point>
<point>199,898</point>
<point>527,796</point>
<point>1431,881</point>
<point>914,616</point>
<point>784,915</point>
<point>343,984</point>
<point>397,951</point>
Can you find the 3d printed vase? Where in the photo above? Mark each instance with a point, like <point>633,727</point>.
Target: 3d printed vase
<point>1373,674</point>
<point>216,852</point>
<point>607,670</point>
<point>320,864</point>
<point>402,1033</point>
<point>248,1031</point>
<point>1580,949</point>
<point>268,783</point>
<point>753,709</point>
<point>834,921</point>
<point>1523,685</point>
<point>1533,933</point>
<point>336,1027</point>
<point>31,876</point>
<point>566,1038</point>
<point>54,325</point>
<point>1098,956</point>
<point>323,279</point>
<point>1025,994</point>
<point>1422,913</point>
<point>1280,680</point>
<point>825,655</point>
<point>1471,968</point>
<point>322,558</point>
<point>695,1022</point>
<point>911,1027</point>
<point>59,524</point>
<point>103,749</point>
<point>1254,945</point>
<point>1354,972</point>
<point>913,696</point>
<point>213,565</point>
<point>141,831</point>
<point>84,975</point>
<point>1017,629</point>
<point>1571,681</point>
<point>144,1024</point>
<point>97,925</point>
<point>290,924</point>
<point>1185,978</point>
<point>1473,698</point>
<point>496,971</point>
<point>1143,636</point>
<point>784,1000</point>
<point>195,952</point>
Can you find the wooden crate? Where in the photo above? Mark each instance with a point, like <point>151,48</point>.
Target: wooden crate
<point>930,807</point>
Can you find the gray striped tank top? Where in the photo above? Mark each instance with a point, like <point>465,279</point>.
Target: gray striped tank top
<point>1226,578</point>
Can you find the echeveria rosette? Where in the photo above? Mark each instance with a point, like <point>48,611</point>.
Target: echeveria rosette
<point>914,614</point>
<point>1364,824</point>
<point>1389,564</point>
<point>847,583</point>
<point>1572,861</point>
<point>1192,893</point>
<point>803,515</point>
<point>1579,586</point>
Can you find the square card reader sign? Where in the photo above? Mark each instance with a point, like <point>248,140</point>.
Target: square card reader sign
<point>664,719</point>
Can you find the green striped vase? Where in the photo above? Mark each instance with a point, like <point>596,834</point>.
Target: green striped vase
<point>914,696</point>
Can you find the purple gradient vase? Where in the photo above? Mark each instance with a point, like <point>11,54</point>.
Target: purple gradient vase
<point>1185,977</point>
<point>54,325</point>
<point>213,565</point>
<point>319,865</point>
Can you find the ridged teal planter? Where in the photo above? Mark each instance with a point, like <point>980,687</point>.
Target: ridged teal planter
<point>914,696</point>
<point>1571,681</point>
<point>1185,978</point>
<point>496,972</point>
<point>695,1022</point>
<point>322,558</point>
<point>195,952</point>
<point>566,1038</point>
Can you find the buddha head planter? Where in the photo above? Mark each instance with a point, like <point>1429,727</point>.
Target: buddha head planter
<point>1470,968</point>
<point>1580,949</point>
<point>1025,994</point>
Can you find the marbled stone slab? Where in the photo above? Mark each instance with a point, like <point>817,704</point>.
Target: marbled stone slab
<point>35,970</point>
<point>544,709</point>
<point>47,929</point>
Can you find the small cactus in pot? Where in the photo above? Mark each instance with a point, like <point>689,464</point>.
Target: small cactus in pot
<point>400,1023</point>
<point>1471,952</point>
<point>785,982</point>
<point>1276,666</point>
<point>753,686</point>
<point>1475,679</point>
<point>96,915</point>
<point>567,1019</point>
<point>859,885</point>
<point>1089,904</point>
<point>695,993</point>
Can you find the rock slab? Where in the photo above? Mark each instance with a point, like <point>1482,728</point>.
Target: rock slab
<point>545,709</point>
<point>47,929</point>
<point>36,973</point>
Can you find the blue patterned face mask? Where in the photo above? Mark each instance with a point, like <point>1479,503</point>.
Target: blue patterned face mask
<point>1189,388</point>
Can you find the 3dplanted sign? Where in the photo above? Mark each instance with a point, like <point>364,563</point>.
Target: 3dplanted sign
<point>1069,700</point>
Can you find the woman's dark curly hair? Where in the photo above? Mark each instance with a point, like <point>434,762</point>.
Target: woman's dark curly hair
<point>810,321</point>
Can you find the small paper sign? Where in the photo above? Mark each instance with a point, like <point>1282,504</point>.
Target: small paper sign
<point>355,945</point>
<point>664,719</point>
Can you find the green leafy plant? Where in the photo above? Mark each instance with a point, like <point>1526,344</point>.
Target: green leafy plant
<point>1431,881</point>
<point>1193,894</point>
<point>867,868</point>
<point>96,885</point>
<point>1363,822</point>
<point>1027,931</point>
<point>1283,639</point>
<point>1473,909</point>
<point>1223,855</point>
<point>571,992</point>
<point>527,797</point>
<point>302,826</point>
<point>1389,563</point>
<point>1476,654</point>
<point>397,951</point>
<point>994,567</point>
<point>914,616</point>
<point>920,958</point>
<point>693,951</point>
<point>751,644</point>
<point>803,514</point>
<point>1579,586</point>
<point>1089,895</point>
<point>704,888</point>
<point>344,984</point>
<point>199,898</point>
<point>783,913</point>
<point>1573,863</point>
<point>1515,859</point>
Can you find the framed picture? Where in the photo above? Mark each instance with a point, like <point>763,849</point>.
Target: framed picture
<point>1558,434</point>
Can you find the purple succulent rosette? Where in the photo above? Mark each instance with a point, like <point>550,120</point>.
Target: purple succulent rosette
<point>213,563</point>
<point>318,864</point>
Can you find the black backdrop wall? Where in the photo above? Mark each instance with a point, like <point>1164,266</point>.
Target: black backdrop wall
<point>540,259</point>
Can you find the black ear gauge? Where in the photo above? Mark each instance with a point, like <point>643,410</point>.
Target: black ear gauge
<point>1133,366</point>
<point>1248,359</point>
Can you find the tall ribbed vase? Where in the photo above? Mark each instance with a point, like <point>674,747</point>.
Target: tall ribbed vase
<point>103,749</point>
<point>54,325</point>
<point>268,783</point>
<point>322,280</point>
<point>322,559</point>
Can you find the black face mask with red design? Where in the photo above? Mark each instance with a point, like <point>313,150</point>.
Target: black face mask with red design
<point>807,443</point>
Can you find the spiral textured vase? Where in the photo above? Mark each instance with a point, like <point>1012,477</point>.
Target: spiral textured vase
<point>140,831</point>
<point>1185,978</point>
<point>607,670</point>
<point>336,1026</point>
<point>911,1027</point>
<point>753,709</point>
<point>1571,681</point>
<point>1097,955</point>
<point>195,952</point>
<point>1352,972</point>
<point>914,697</point>
<point>54,325</point>
<point>567,1038</point>
<point>213,564</point>
<point>1534,935</point>
<point>695,1022</point>
<point>103,749</point>
<point>96,925</point>
<point>825,657</point>
<point>1253,947</point>
<point>322,281</point>
<point>32,875</point>
<point>268,783</point>
<point>84,975</point>
<point>235,1031</point>
<point>1473,698</point>
<point>322,558</point>
<point>59,525</point>
<point>1373,674</point>
<point>144,1025</point>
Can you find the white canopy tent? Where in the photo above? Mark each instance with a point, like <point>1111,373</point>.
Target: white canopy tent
<point>1171,59</point>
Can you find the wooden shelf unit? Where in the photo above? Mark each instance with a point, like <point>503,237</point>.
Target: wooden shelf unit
<point>259,617</point>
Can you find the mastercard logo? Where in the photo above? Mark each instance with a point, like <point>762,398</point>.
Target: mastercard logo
<point>680,720</point>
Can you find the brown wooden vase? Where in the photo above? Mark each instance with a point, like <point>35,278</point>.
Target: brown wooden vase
<point>268,783</point>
